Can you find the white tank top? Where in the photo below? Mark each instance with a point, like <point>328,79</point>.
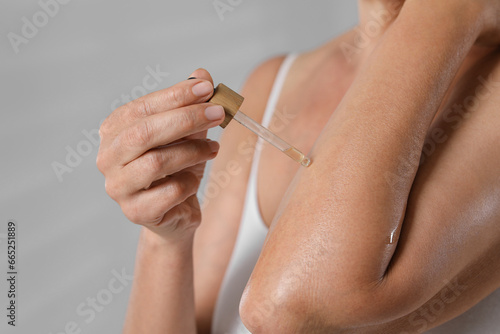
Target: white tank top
<point>251,234</point>
<point>483,318</point>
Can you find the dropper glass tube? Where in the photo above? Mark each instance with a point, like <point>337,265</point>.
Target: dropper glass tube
<point>231,102</point>
<point>271,138</point>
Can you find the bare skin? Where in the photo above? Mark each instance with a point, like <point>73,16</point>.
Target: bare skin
<point>370,237</point>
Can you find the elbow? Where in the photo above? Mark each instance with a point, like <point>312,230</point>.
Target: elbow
<point>266,315</point>
<point>318,311</point>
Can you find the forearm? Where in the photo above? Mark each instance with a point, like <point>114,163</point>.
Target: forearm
<point>162,298</point>
<point>337,229</point>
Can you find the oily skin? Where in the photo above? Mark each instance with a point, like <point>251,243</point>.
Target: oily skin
<point>331,221</point>
<point>347,218</point>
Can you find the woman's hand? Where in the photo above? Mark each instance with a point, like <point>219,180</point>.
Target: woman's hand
<point>153,152</point>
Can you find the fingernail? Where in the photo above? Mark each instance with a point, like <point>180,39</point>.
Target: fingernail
<point>213,113</point>
<point>203,88</point>
<point>214,146</point>
<point>191,78</point>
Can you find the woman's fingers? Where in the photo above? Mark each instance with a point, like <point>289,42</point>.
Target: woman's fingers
<point>157,163</point>
<point>153,152</point>
<point>182,94</point>
<point>162,129</point>
<point>203,74</point>
<point>148,207</point>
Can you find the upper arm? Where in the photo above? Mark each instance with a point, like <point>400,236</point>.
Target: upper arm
<point>224,195</point>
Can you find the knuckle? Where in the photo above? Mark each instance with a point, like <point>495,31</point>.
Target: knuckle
<point>154,161</point>
<point>140,134</point>
<point>111,189</point>
<point>112,121</point>
<point>178,189</point>
<point>104,161</point>
<point>194,216</point>
<point>177,95</point>
<point>104,129</point>
<point>187,120</point>
<point>156,214</point>
<point>192,210</point>
<point>132,211</point>
<point>139,214</point>
<point>100,162</point>
<point>142,107</point>
<point>184,186</point>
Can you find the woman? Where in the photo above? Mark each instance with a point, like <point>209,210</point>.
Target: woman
<point>394,228</point>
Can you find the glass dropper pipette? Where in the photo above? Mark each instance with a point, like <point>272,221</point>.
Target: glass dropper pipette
<point>271,138</point>
<point>231,102</point>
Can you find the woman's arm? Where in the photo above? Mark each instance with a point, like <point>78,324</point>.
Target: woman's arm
<point>338,226</point>
<point>153,152</point>
<point>162,298</point>
<point>163,293</point>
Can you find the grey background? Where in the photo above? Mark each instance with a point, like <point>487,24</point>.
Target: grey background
<point>72,238</point>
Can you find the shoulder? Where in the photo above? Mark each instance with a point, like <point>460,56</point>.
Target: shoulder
<point>258,86</point>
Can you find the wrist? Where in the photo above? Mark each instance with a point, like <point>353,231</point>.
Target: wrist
<point>153,238</point>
